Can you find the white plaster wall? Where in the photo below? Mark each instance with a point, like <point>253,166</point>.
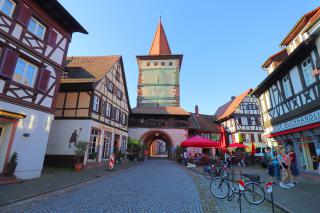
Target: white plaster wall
<point>60,134</point>
<point>177,135</point>
<point>31,149</point>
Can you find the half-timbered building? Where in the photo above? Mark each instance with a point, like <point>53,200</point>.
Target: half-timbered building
<point>241,119</point>
<point>289,96</point>
<point>158,115</point>
<point>92,106</point>
<point>34,39</point>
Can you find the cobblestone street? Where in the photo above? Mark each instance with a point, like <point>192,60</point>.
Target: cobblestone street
<point>154,186</point>
<point>212,204</point>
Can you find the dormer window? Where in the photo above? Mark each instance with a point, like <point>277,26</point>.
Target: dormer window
<point>37,28</point>
<point>7,7</point>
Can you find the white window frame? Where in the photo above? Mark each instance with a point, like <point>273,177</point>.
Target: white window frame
<point>96,103</point>
<point>2,2</point>
<point>244,121</point>
<point>25,71</point>
<point>108,109</point>
<point>286,86</point>
<point>123,118</point>
<point>117,114</point>
<point>308,72</point>
<point>38,24</point>
<point>107,144</point>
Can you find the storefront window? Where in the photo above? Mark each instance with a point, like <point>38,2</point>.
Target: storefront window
<point>308,155</point>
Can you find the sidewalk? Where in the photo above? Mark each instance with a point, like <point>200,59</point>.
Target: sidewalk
<point>53,179</point>
<point>304,197</point>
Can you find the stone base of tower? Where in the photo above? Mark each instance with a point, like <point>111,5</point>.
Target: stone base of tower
<point>150,125</point>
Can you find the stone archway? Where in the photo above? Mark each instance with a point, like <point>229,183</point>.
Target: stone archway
<point>153,136</point>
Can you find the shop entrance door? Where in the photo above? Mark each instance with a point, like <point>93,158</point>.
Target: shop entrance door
<point>308,156</point>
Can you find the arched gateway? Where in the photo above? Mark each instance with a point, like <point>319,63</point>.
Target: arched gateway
<point>158,143</point>
<point>158,121</point>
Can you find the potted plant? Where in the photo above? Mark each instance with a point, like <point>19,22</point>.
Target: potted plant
<point>11,165</point>
<point>81,148</point>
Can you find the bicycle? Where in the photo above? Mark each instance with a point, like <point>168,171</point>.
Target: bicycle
<point>252,192</point>
<point>211,171</point>
<point>219,186</point>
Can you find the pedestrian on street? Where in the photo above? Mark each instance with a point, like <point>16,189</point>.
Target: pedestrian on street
<point>293,167</point>
<point>275,163</point>
<point>185,158</point>
<point>284,170</point>
<point>268,160</point>
<point>145,155</point>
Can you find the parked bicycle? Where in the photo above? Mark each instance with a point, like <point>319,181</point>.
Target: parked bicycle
<point>223,187</point>
<point>215,170</point>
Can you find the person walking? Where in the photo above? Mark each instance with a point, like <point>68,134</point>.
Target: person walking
<point>293,167</point>
<point>275,163</point>
<point>267,157</point>
<point>185,158</point>
<point>284,170</point>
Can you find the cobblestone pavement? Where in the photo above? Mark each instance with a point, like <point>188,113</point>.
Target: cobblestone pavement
<point>212,204</point>
<point>154,186</point>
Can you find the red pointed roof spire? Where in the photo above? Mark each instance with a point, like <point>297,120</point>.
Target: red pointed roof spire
<point>160,45</point>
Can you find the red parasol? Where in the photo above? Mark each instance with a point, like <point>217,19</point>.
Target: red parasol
<point>201,142</point>
<point>223,138</point>
<point>253,149</point>
<point>237,145</point>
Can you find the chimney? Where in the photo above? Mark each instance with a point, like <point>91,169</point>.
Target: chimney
<point>196,110</point>
<point>233,97</point>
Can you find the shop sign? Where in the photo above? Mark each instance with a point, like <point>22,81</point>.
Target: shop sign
<point>307,119</point>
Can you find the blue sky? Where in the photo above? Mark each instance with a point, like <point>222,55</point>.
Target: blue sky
<point>223,43</point>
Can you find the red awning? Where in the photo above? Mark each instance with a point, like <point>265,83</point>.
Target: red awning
<point>298,129</point>
<point>201,142</point>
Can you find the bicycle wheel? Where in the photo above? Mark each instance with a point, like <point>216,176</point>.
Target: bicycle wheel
<point>219,187</point>
<point>254,193</point>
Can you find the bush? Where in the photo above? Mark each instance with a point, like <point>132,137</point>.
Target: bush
<point>81,148</point>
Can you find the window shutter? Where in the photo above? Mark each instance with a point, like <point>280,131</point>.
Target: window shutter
<point>52,38</point>
<point>43,81</point>
<point>8,62</point>
<point>24,15</point>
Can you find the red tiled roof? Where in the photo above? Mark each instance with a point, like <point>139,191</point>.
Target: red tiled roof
<point>160,110</point>
<point>203,122</point>
<point>89,68</point>
<point>229,108</point>
<point>278,57</point>
<point>160,45</point>
<point>307,19</point>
